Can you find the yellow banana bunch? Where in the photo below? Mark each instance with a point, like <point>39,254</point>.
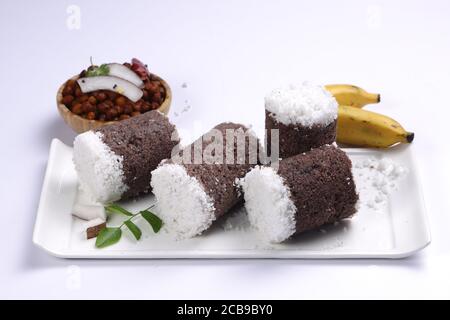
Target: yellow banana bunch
<point>364,128</point>
<point>349,95</point>
<point>369,129</point>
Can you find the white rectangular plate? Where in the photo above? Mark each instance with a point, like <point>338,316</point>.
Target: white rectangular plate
<point>397,230</point>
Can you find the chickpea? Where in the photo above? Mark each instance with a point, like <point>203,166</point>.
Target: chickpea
<point>101,96</point>
<point>151,86</point>
<point>102,107</point>
<point>78,92</point>
<point>157,96</point>
<point>67,100</point>
<point>90,116</point>
<point>119,109</point>
<point>92,100</point>
<point>111,95</point>
<point>68,89</point>
<point>128,109</point>
<point>145,107</point>
<point>138,106</point>
<point>84,98</point>
<point>120,101</point>
<point>87,107</point>
<point>109,115</point>
<point>113,112</point>
<point>77,109</point>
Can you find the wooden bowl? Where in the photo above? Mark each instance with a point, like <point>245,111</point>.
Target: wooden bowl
<point>80,125</point>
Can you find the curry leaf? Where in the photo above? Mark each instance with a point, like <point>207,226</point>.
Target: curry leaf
<point>103,70</point>
<point>152,219</point>
<point>111,235</point>
<point>108,237</point>
<point>114,208</point>
<point>137,233</point>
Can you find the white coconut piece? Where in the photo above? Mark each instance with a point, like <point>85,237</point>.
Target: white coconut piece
<point>268,204</point>
<point>183,204</point>
<point>123,72</point>
<point>99,169</point>
<point>86,207</point>
<point>124,87</point>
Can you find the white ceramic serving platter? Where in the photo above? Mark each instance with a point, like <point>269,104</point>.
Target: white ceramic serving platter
<point>397,230</point>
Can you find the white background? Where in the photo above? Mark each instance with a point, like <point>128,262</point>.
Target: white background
<point>229,53</point>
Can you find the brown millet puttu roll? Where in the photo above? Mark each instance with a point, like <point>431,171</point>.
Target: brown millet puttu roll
<point>115,161</point>
<point>192,195</point>
<point>305,117</point>
<point>309,190</point>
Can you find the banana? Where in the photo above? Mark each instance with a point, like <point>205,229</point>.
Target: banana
<point>369,129</point>
<point>349,95</point>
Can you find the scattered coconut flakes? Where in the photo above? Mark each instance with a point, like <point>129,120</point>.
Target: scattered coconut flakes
<point>185,109</point>
<point>375,179</point>
<point>304,104</point>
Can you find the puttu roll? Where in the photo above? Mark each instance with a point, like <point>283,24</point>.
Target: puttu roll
<point>115,161</point>
<point>309,190</point>
<point>304,115</point>
<point>190,196</point>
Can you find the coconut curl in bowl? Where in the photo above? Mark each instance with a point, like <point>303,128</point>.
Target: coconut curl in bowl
<point>111,92</point>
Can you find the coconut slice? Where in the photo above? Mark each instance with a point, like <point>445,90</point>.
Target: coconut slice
<point>124,87</point>
<point>120,71</point>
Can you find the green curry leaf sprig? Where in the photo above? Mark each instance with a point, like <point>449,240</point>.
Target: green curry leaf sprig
<point>111,235</point>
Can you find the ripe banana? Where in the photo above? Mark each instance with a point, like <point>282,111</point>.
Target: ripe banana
<point>349,95</point>
<point>369,129</point>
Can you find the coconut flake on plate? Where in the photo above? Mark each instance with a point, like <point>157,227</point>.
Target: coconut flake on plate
<point>375,179</point>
